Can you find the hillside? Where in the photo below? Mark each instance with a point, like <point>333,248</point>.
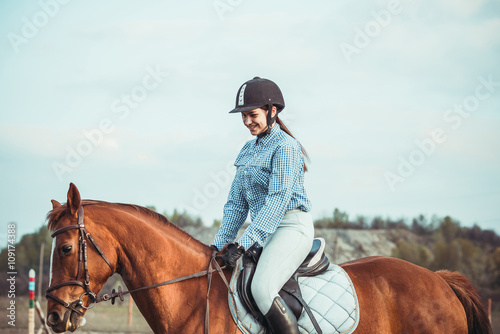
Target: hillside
<point>347,245</point>
<point>342,245</point>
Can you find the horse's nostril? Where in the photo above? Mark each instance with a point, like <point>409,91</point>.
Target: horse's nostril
<point>53,319</point>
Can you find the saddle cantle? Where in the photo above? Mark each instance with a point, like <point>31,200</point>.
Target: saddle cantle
<point>315,263</point>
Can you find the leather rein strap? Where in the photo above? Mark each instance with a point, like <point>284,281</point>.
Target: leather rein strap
<point>208,273</point>
<point>82,261</point>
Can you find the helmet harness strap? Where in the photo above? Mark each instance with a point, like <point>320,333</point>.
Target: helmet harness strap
<point>270,118</point>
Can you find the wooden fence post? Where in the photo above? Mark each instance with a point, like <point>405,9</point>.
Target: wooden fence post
<point>130,308</point>
<point>489,309</point>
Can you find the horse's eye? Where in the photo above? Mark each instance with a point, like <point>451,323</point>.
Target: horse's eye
<point>66,249</point>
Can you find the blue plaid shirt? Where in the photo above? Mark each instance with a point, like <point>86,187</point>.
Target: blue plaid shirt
<point>269,181</point>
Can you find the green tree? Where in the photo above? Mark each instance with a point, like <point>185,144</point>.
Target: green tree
<point>184,219</point>
<point>420,225</point>
<point>449,229</point>
<point>361,222</point>
<point>473,262</point>
<point>493,267</point>
<point>445,255</point>
<point>340,219</point>
<point>396,224</point>
<point>378,223</point>
<point>413,252</point>
<point>27,256</point>
<point>323,223</point>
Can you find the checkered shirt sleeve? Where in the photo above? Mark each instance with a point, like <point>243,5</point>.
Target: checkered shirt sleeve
<point>235,214</point>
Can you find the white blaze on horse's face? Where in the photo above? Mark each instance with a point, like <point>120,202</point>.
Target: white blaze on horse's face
<point>54,242</point>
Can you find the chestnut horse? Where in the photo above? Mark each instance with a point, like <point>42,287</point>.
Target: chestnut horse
<point>145,248</point>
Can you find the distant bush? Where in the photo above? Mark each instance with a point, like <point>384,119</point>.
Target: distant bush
<point>183,219</point>
<point>27,252</point>
<point>413,252</point>
<point>442,244</point>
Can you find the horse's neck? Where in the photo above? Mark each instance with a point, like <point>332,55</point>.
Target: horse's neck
<point>157,254</point>
<point>154,252</point>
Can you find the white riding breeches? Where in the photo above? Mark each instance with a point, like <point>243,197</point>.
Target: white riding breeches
<point>282,254</point>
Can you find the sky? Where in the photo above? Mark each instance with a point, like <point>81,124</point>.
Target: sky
<point>396,102</point>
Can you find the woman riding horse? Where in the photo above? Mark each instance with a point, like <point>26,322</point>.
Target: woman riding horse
<point>269,183</point>
<point>94,239</point>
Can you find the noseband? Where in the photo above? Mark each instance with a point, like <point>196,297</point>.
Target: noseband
<point>82,263</point>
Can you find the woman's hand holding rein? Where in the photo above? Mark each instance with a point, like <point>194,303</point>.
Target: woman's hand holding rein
<point>231,253</point>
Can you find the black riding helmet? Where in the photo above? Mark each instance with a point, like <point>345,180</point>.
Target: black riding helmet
<point>257,93</point>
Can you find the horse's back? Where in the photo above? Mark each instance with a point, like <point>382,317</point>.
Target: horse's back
<point>396,296</point>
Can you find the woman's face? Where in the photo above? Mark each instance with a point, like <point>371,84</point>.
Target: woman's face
<point>256,120</point>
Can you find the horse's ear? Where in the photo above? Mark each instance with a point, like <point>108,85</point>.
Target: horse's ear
<point>74,200</point>
<point>55,204</point>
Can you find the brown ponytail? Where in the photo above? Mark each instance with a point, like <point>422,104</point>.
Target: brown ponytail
<point>304,153</point>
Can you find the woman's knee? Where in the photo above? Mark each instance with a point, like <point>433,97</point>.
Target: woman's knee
<point>260,290</point>
<point>261,295</point>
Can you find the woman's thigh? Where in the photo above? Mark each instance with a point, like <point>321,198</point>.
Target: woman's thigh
<point>281,256</point>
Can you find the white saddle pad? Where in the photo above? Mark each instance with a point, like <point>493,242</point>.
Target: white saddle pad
<point>331,297</point>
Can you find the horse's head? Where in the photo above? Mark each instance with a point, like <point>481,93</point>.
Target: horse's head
<point>82,260</point>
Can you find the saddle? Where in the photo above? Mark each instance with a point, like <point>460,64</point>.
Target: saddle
<point>315,263</point>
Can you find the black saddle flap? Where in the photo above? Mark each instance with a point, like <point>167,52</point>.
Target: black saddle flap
<point>250,259</point>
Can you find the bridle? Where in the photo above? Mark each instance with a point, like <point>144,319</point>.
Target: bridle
<point>82,262</point>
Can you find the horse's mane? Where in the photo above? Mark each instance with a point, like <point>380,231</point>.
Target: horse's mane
<point>54,215</point>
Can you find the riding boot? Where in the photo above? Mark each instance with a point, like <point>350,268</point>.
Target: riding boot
<point>280,318</point>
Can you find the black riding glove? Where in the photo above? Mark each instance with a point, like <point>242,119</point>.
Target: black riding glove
<point>232,254</point>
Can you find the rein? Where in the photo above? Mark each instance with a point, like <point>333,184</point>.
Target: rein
<point>208,273</point>
<point>82,261</point>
